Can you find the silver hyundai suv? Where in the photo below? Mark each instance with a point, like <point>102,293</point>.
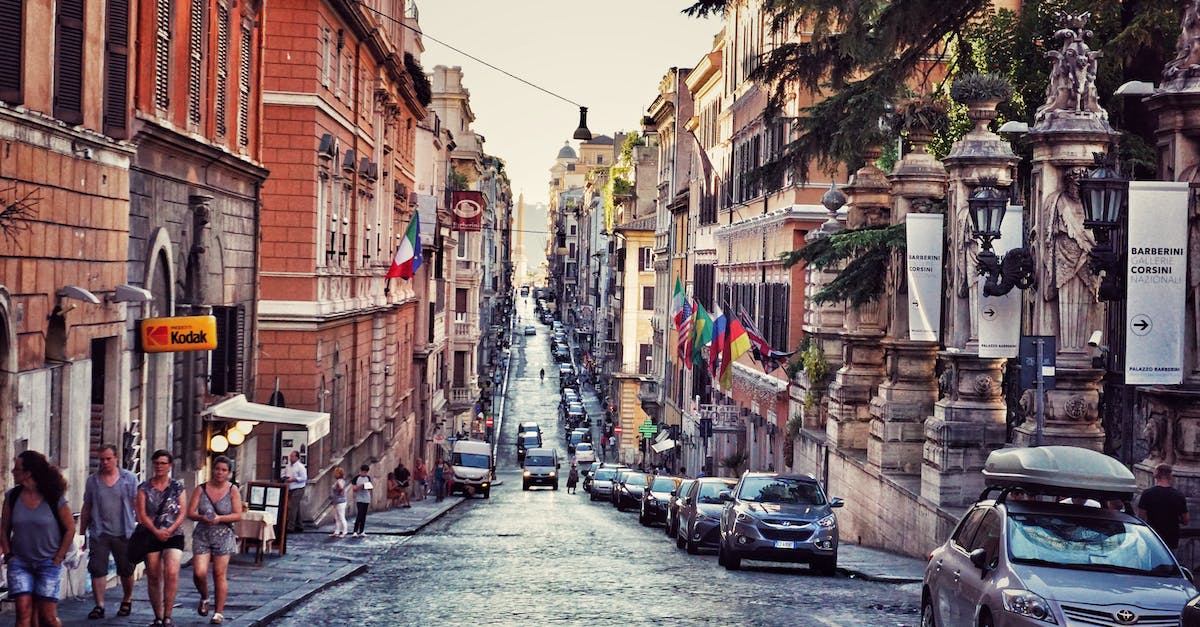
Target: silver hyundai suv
<point>778,518</point>
<point>1052,548</point>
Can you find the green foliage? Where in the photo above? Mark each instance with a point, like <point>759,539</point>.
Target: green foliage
<point>420,81</point>
<point>814,364</point>
<point>794,424</point>
<point>924,113</point>
<point>972,88</point>
<point>734,460</point>
<point>619,181</point>
<point>867,253</point>
<point>458,180</point>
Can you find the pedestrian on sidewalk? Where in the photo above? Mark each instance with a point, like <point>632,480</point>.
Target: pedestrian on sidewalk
<point>35,535</point>
<point>393,491</point>
<point>106,521</point>
<point>448,473</point>
<point>296,476</point>
<point>337,498</point>
<point>215,506</point>
<point>572,479</point>
<point>439,481</point>
<point>420,480</point>
<point>1163,507</point>
<point>404,478</point>
<point>164,496</point>
<point>362,500</point>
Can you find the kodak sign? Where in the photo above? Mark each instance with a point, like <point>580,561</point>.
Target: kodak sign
<point>182,333</point>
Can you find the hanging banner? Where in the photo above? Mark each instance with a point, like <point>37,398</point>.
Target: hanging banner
<point>467,209</point>
<point>923,235</point>
<point>1156,282</point>
<point>1000,316</point>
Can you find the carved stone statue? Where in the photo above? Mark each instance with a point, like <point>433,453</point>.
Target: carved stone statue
<point>1065,276</point>
<point>1187,50</point>
<point>1072,87</point>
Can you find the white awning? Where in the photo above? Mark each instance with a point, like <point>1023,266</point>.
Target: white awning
<point>238,408</point>
<point>665,445</point>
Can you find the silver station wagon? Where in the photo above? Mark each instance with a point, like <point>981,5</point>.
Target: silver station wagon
<point>1048,543</point>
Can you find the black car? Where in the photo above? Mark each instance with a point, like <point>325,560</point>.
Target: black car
<point>526,441</point>
<point>778,518</point>
<point>671,528</point>
<point>629,490</point>
<point>655,499</point>
<point>699,521</point>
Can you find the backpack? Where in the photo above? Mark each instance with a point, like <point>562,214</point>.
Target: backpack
<point>15,493</point>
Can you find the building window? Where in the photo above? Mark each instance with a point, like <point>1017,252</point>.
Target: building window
<point>645,358</point>
<point>226,367</point>
<point>116,68</point>
<point>326,56</point>
<point>12,16</point>
<point>244,66</point>
<point>648,297</point>
<point>572,230</point>
<point>162,54</point>
<point>195,60</point>
<point>222,98</point>
<point>460,369</point>
<point>68,61</point>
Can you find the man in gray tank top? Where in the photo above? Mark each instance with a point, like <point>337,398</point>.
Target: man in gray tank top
<point>107,521</point>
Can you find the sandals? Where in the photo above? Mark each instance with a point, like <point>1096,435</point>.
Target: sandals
<point>202,609</point>
<point>96,613</point>
<point>217,619</point>
<point>125,609</point>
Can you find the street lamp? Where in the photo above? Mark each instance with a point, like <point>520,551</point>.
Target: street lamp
<point>987,205</point>
<point>1104,194</point>
<point>582,133</point>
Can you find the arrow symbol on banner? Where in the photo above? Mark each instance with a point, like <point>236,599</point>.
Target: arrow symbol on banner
<point>1141,324</point>
<point>989,312</point>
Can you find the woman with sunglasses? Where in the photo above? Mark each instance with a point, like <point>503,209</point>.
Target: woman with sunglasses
<point>36,529</point>
<point>160,507</point>
<point>215,506</point>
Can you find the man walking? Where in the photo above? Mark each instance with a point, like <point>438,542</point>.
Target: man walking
<point>1163,507</point>
<point>296,476</point>
<point>403,477</point>
<point>107,521</point>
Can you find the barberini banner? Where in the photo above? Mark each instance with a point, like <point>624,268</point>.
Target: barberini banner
<point>1000,316</point>
<point>1156,282</point>
<point>923,235</point>
<point>467,208</point>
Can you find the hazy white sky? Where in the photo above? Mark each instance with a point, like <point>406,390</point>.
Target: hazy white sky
<point>607,55</point>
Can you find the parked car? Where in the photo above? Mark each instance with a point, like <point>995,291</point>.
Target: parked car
<point>584,453</point>
<point>1017,559</point>
<point>699,519</point>
<point>655,499</point>
<point>562,355</point>
<point>529,427</point>
<point>630,489</point>
<point>540,468</point>
<point>600,484</point>
<point>778,518</point>
<point>677,495</point>
<point>570,395</point>
<point>576,436</point>
<point>530,329</point>
<point>526,441</point>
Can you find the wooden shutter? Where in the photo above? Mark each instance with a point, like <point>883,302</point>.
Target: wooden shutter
<point>162,53</point>
<point>195,59</point>
<point>228,366</point>
<point>116,70</point>
<point>244,87</point>
<point>222,98</point>
<point>68,62</point>
<point>11,45</point>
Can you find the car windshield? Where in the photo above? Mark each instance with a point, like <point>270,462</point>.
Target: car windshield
<point>576,438</point>
<point>710,491</point>
<point>634,480</point>
<point>530,440</point>
<point>603,475</point>
<point>663,484</point>
<point>539,460</point>
<point>781,490</point>
<point>1082,543</point>
<point>470,460</point>
<point>583,447</point>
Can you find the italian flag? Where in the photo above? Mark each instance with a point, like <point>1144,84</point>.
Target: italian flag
<point>408,255</point>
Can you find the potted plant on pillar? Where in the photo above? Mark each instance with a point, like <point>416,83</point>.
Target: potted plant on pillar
<point>981,94</point>
<point>921,118</point>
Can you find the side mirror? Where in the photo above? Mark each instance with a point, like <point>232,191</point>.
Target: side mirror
<point>725,495</point>
<point>836,502</point>
<point>673,493</point>
<point>978,558</point>
<point>1187,574</point>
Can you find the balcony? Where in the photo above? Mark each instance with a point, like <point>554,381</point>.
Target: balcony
<point>465,331</point>
<point>648,397</point>
<point>462,396</point>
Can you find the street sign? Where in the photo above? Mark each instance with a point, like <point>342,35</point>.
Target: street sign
<point>1156,282</point>
<point>617,429</point>
<point>1028,358</point>
<point>490,422</point>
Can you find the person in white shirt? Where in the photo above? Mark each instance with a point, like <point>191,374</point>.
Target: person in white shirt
<point>296,476</point>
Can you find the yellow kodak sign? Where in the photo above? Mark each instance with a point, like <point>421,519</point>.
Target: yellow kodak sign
<point>177,334</point>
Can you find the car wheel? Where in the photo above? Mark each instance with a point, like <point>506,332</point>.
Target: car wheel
<point>591,497</point>
<point>679,541</point>
<point>487,494</point>
<point>524,486</point>
<point>825,565</point>
<point>692,547</point>
<point>731,560</point>
<point>643,520</point>
<point>927,619</point>
<point>555,485</point>
<point>985,618</point>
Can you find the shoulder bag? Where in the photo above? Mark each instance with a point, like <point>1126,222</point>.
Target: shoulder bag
<point>139,542</point>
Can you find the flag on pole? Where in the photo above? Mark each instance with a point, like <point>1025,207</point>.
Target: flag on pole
<point>702,334</point>
<point>678,302</point>
<point>720,324</point>
<point>408,255</point>
<point>762,350</point>
<point>685,334</point>
<point>737,343</point>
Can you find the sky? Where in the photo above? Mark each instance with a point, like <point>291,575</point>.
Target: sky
<point>607,55</point>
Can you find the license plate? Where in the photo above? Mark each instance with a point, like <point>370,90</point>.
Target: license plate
<point>785,544</point>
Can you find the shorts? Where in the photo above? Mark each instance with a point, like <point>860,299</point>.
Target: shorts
<point>173,542</point>
<point>100,547</point>
<point>42,579</point>
<point>215,539</point>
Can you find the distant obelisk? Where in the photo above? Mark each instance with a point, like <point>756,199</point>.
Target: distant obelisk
<point>522,274</point>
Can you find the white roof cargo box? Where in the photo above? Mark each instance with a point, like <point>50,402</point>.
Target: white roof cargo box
<point>1061,470</point>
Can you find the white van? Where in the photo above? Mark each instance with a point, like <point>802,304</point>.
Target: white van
<point>472,462</point>
<point>541,468</point>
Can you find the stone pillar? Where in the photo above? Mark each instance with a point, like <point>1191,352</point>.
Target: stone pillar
<point>1068,128</point>
<point>968,420</point>
<point>854,384</point>
<point>906,397</point>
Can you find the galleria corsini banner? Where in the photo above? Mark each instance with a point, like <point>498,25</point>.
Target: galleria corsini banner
<point>467,208</point>
<point>1156,280</point>
<point>1000,316</point>
<point>923,234</point>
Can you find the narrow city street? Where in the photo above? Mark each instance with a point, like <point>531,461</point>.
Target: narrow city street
<point>530,557</point>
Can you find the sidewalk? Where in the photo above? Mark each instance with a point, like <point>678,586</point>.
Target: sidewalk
<point>314,561</point>
<point>871,564</point>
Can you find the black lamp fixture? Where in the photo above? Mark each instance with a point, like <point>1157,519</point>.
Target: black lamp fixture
<point>1104,194</point>
<point>582,133</point>
<point>987,205</point>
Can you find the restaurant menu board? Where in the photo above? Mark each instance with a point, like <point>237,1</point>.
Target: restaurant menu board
<point>271,497</point>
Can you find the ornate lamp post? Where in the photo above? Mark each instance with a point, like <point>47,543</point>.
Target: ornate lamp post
<point>987,205</point>
<point>1104,194</point>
